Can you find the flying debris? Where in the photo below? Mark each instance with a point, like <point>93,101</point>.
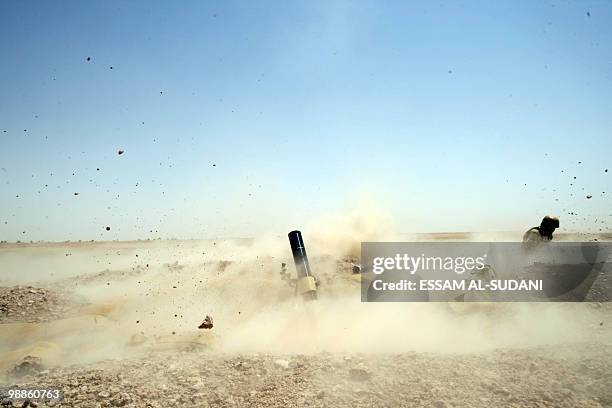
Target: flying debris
<point>207,323</point>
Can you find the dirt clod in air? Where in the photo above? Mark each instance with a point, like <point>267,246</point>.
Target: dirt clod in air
<point>108,228</point>
<point>207,323</point>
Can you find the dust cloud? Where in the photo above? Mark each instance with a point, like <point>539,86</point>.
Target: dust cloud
<point>135,297</point>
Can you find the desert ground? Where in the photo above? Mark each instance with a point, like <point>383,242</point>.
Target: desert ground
<point>115,324</point>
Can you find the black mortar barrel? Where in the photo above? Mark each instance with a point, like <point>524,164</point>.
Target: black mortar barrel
<point>299,257</point>
<point>299,254</point>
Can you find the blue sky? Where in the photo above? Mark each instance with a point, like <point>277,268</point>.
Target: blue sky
<point>242,118</point>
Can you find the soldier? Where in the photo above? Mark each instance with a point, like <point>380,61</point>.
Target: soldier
<point>544,232</point>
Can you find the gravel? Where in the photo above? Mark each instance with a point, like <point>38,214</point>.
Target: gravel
<point>577,374</point>
<point>32,305</point>
<point>553,376</point>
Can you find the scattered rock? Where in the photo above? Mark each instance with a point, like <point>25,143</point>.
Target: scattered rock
<point>359,374</point>
<point>120,400</point>
<point>241,365</point>
<point>104,394</point>
<point>284,364</point>
<point>28,366</point>
<point>32,305</point>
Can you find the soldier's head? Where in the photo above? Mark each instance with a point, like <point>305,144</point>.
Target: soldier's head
<point>548,225</point>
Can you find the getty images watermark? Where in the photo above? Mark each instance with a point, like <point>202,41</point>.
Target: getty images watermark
<point>443,271</point>
<point>458,265</point>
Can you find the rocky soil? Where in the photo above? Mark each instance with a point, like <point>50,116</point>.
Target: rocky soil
<point>30,304</point>
<point>555,375</point>
<point>567,375</point>
<point>537,377</point>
